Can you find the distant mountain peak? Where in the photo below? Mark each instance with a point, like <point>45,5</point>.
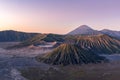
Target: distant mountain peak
<point>84,30</point>
<point>84,27</point>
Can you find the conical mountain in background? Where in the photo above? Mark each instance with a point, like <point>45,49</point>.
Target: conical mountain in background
<point>84,30</point>
<point>100,44</point>
<point>67,54</point>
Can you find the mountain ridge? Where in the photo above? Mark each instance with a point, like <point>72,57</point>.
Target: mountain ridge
<point>86,30</point>
<point>112,33</point>
<point>15,36</point>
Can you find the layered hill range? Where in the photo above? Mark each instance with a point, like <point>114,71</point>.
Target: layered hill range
<point>88,39</point>
<point>50,40</point>
<point>77,50</point>
<point>86,30</point>
<point>81,46</point>
<point>100,44</point>
<point>11,36</point>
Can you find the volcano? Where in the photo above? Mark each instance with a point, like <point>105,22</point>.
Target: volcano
<point>84,30</point>
<point>67,54</point>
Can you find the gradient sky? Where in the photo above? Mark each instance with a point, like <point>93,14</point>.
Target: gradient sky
<point>58,16</point>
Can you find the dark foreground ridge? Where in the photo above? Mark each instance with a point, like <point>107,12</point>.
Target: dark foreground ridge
<point>67,54</point>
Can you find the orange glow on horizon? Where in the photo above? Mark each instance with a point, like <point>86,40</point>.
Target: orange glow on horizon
<point>35,30</point>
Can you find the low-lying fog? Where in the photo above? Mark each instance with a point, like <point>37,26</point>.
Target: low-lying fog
<point>113,57</point>
<point>13,60</point>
